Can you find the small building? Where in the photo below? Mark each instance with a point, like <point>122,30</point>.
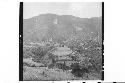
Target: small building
<point>62,51</point>
<point>62,54</point>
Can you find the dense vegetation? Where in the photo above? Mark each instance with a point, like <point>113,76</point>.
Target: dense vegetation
<point>88,58</point>
<point>85,44</point>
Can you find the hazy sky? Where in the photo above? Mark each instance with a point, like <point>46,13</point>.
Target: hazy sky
<point>79,9</point>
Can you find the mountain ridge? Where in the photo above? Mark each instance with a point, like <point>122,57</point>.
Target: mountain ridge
<point>45,26</point>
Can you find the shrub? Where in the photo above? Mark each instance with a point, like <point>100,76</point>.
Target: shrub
<point>26,53</point>
<point>77,71</point>
<point>89,59</point>
<point>62,66</point>
<point>39,53</point>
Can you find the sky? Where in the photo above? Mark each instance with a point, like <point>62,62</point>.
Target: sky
<point>79,9</point>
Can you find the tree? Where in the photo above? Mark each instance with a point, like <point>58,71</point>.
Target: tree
<point>89,59</point>
<point>39,52</point>
<point>77,71</point>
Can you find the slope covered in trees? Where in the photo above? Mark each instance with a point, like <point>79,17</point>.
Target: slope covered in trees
<point>65,44</point>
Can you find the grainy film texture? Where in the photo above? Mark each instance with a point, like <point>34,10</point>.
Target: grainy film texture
<point>62,41</point>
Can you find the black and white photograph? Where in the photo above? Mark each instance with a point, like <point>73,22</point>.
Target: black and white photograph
<point>61,41</point>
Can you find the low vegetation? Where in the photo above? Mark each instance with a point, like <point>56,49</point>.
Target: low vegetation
<point>86,59</point>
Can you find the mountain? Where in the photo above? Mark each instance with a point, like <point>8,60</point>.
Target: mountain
<point>60,28</point>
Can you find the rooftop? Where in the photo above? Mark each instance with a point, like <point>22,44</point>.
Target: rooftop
<point>61,51</point>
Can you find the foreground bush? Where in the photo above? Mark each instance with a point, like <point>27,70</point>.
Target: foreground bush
<point>89,58</point>
<point>40,52</point>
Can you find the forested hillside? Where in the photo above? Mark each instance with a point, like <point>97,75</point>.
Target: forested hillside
<point>62,47</point>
